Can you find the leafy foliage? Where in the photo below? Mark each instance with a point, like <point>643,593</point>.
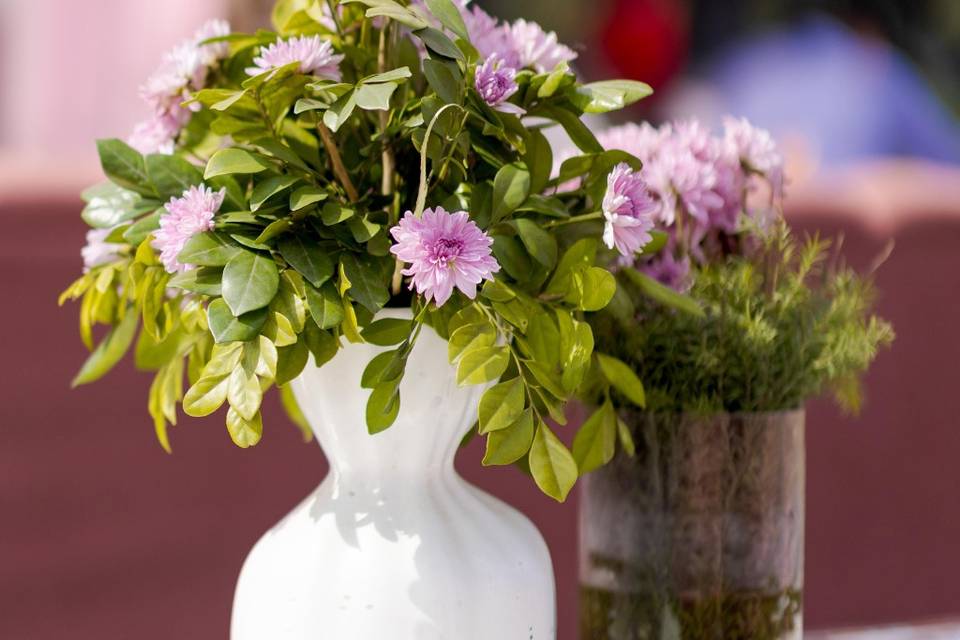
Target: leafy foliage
<point>770,330</point>
<point>315,173</point>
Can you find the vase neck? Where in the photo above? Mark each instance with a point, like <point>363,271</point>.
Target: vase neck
<point>420,445</point>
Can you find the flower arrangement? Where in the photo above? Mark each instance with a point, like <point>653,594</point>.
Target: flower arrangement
<point>729,312</point>
<point>292,183</point>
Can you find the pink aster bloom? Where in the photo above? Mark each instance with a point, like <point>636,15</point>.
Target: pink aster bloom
<point>628,209</point>
<point>215,51</point>
<point>158,134</point>
<point>756,149</point>
<point>314,54</point>
<point>98,251</point>
<point>668,271</point>
<point>496,82</point>
<point>444,250</point>
<point>489,37</point>
<point>186,216</point>
<point>537,48</point>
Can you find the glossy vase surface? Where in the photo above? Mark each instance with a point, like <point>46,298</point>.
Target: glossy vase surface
<point>394,544</point>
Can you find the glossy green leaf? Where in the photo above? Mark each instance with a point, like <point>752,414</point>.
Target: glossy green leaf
<point>250,282</point>
<point>469,337</point>
<point>109,352</point>
<point>225,327</point>
<point>663,294</point>
<point>511,186</point>
<point>204,280</point>
<point>269,188</point>
<point>595,442</point>
<point>623,379</point>
<point>449,16</point>
<point>445,78</point>
<point>483,364</point>
<point>210,249</point>
<point>439,43</point>
<point>375,96</point>
<point>368,284</point>
<point>307,257</point>
<point>552,465</point>
<point>171,175</point>
<point>244,433</point>
<point>235,161</point>
<point>626,438</point>
<point>383,406</point>
<point>206,395</point>
<point>291,362</point>
<point>243,393</point>
<point>598,288</point>
<point>541,244</point>
<point>539,160</point>
<point>325,305</point>
<point>387,331</point>
<point>506,446</point>
<point>109,205</point>
<point>609,95</point>
<point>306,196</point>
<point>124,166</point>
<point>501,405</point>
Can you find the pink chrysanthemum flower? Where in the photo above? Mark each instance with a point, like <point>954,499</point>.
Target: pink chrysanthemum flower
<point>211,53</point>
<point>186,216</point>
<point>444,250</point>
<point>98,251</point>
<point>666,269</point>
<point>489,37</point>
<point>496,82</point>
<point>158,134</point>
<point>756,149</point>
<point>628,209</point>
<point>537,48</point>
<point>642,141</point>
<point>314,54</point>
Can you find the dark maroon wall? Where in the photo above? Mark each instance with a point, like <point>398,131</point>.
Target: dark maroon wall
<point>103,535</point>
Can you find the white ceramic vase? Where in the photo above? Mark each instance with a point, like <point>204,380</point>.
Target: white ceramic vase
<point>394,544</point>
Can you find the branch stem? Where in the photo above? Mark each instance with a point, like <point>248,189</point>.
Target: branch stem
<point>338,167</point>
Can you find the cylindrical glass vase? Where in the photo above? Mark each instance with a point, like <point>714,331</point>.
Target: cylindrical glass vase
<point>698,536</point>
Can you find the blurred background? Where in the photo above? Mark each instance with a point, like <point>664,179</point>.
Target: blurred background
<point>103,535</point>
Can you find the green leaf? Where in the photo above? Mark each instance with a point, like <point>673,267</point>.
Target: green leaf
<point>205,280</point>
<point>291,361</point>
<point>595,442</point>
<point>387,331</point>
<point>335,213</point>
<point>552,465</point>
<point>539,160</point>
<point>445,78</point>
<point>325,305</point>
<point>110,350</point>
<point>512,256</point>
<point>579,133</point>
<point>449,16</point>
<point>383,406</point>
<point>244,433</point>
<point>394,75</point>
<point>368,285</point>
<point>609,95</point>
<point>225,327</point>
<point>142,228</point>
<point>233,161</point>
<point>541,244</point>
<point>290,405</point>
<point>469,337</point>
<point>243,392</point>
<point>109,205</point>
<point>306,196</point>
<point>206,395</point>
<point>384,366</point>
<point>623,379</point>
<point>501,405</point>
<point>511,186</point>
<point>626,439</point>
<point>598,288</point>
<point>250,281</point>
<point>439,43</point>
<point>663,294</point>
<point>580,256</point>
<point>124,166</point>
<point>308,258</point>
<point>171,175</point>
<point>270,187</point>
<point>340,111</point>
<point>506,446</point>
<point>482,365</point>
<point>375,96</point>
<point>209,249</point>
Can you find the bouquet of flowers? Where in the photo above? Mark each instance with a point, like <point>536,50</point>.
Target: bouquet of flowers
<point>292,183</point>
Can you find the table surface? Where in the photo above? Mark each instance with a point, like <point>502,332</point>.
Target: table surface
<point>943,630</point>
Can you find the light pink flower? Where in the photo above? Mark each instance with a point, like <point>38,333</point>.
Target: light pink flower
<point>444,250</point>
<point>628,209</point>
<point>158,133</point>
<point>666,269</point>
<point>186,216</point>
<point>314,54</point>
<point>756,149</point>
<point>537,48</point>
<point>98,251</point>
<point>215,51</point>
<point>496,82</point>
<point>489,37</point>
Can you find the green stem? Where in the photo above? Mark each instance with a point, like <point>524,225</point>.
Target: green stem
<point>586,217</point>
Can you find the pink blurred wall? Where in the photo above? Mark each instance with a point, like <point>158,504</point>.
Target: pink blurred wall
<point>70,70</point>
